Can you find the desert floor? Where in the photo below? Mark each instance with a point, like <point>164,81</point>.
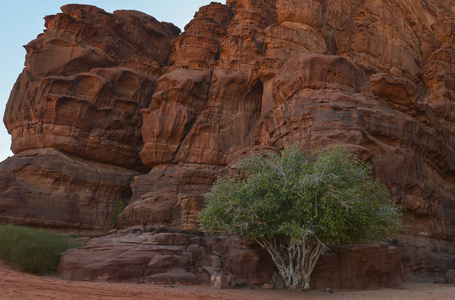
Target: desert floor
<point>17,285</point>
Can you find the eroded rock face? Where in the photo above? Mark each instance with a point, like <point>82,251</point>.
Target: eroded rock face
<point>47,188</point>
<point>85,81</point>
<point>169,194</point>
<point>162,255</point>
<point>94,115</point>
<point>147,257</point>
<point>359,267</point>
<point>167,256</point>
<point>375,76</point>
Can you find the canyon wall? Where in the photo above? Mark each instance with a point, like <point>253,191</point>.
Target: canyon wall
<point>120,109</point>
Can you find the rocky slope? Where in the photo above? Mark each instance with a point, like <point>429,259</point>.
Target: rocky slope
<point>120,107</point>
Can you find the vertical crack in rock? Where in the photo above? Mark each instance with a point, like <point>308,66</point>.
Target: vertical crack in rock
<point>195,117</point>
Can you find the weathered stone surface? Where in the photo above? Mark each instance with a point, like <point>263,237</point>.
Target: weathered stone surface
<point>317,72</point>
<point>425,258</point>
<point>450,276</point>
<point>195,105</point>
<point>83,37</point>
<point>248,262</point>
<point>359,267</point>
<point>169,194</point>
<point>199,47</point>
<point>379,34</point>
<point>221,281</point>
<point>375,76</point>
<point>396,90</point>
<point>94,115</point>
<point>116,258</point>
<point>86,79</point>
<point>47,188</point>
<point>80,91</point>
<point>131,257</point>
<point>297,31</point>
<point>215,262</point>
<point>180,98</point>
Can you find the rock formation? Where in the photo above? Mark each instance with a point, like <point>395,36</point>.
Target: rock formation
<point>166,256</point>
<point>74,117</point>
<point>163,256</point>
<point>48,188</point>
<point>121,106</point>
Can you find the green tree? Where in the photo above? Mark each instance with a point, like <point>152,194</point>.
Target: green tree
<point>296,206</point>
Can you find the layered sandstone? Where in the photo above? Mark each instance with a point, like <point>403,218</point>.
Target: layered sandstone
<point>84,82</point>
<point>166,256</point>
<point>74,117</point>
<point>48,188</point>
<point>124,90</point>
<point>169,195</point>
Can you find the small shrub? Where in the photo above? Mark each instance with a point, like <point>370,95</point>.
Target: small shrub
<point>119,207</point>
<point>32,250</point>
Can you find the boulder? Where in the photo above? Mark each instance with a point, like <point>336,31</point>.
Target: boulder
<point>131,258</point>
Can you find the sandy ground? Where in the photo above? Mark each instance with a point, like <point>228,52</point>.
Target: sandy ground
<point>16,285</point>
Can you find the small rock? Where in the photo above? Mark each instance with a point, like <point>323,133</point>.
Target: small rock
<point>328,290</point>
<point>216,263</point>
<point>210,270</point>
<point>292,287</point>
<point>268,286</point>
<point>221,281</point>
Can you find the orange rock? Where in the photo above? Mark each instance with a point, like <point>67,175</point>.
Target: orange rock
<point>395,90</point>
<point>315,71</point>
<point>125,92</point>
<point>198,47</point>
<point>47,188</point>
<point>79,92</point>
<point>169,194</point>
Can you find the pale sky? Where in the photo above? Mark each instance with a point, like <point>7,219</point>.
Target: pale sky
<point>22,20</point>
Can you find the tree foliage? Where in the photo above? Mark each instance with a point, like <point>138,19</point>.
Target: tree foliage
<point>297,205</point>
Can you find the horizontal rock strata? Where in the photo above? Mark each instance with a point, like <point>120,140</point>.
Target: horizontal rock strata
<point>167,256</point>
<point>47,188</point>
<point>173,111</point>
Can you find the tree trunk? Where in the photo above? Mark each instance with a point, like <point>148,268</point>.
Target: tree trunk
<point>295,260</point>
<point>306,282</point>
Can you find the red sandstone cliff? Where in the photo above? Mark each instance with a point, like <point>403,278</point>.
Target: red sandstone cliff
<point>121,107</point>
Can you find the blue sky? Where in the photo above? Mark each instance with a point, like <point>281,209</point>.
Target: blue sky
<point>22,20</point>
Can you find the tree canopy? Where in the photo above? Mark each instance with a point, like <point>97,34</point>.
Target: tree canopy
<point>302,202</point>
